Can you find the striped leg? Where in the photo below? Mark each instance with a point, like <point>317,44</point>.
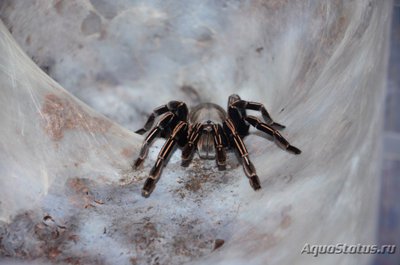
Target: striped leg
<point>258,107</point>
<point>179,131</point>
<point>177,107</point>
<point>150,121</point>
<point>248,167</point>
<point>278,138</point>
<point>219,146</point>
<point>165,120</point>
<point>193,138</point>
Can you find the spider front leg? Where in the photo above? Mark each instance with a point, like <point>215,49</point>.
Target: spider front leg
<point>219,146</point>
<point>179,132</point>
<point>193,138</point>
<point>250,105</point>
<point>163,123</point>
<point>248,167</point>
<point>278,138</point>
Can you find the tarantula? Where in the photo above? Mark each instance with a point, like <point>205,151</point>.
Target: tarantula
<point>209,129</point>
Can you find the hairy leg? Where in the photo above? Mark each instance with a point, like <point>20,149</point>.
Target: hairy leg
<point>219,146</point>
<point>179,131</point>
<point>278,138</point>
<point>250,105</point>
<point>193,138</point>
<point>163,123</point>
<point>238,144</point>
<point>177,107</point>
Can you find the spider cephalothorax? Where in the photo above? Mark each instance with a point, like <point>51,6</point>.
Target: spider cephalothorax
<point>209,130</point>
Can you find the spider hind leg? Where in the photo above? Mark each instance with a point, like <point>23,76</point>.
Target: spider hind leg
<point>250,105</point>
<point>150,121</point>
<point>177,107</point>
<point>278,138</point>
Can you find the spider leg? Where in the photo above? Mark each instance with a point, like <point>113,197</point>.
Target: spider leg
<point>163,123</point>
<point>193,138</point>
<point>250,105</point>
<point>179,131</point>
<point>219,146</point>
<point>278,138</point>
<point>177,107</point>
<point>248,167</point>
<point>150,121</point>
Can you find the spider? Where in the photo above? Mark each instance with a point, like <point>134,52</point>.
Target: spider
<point>210,130</point>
